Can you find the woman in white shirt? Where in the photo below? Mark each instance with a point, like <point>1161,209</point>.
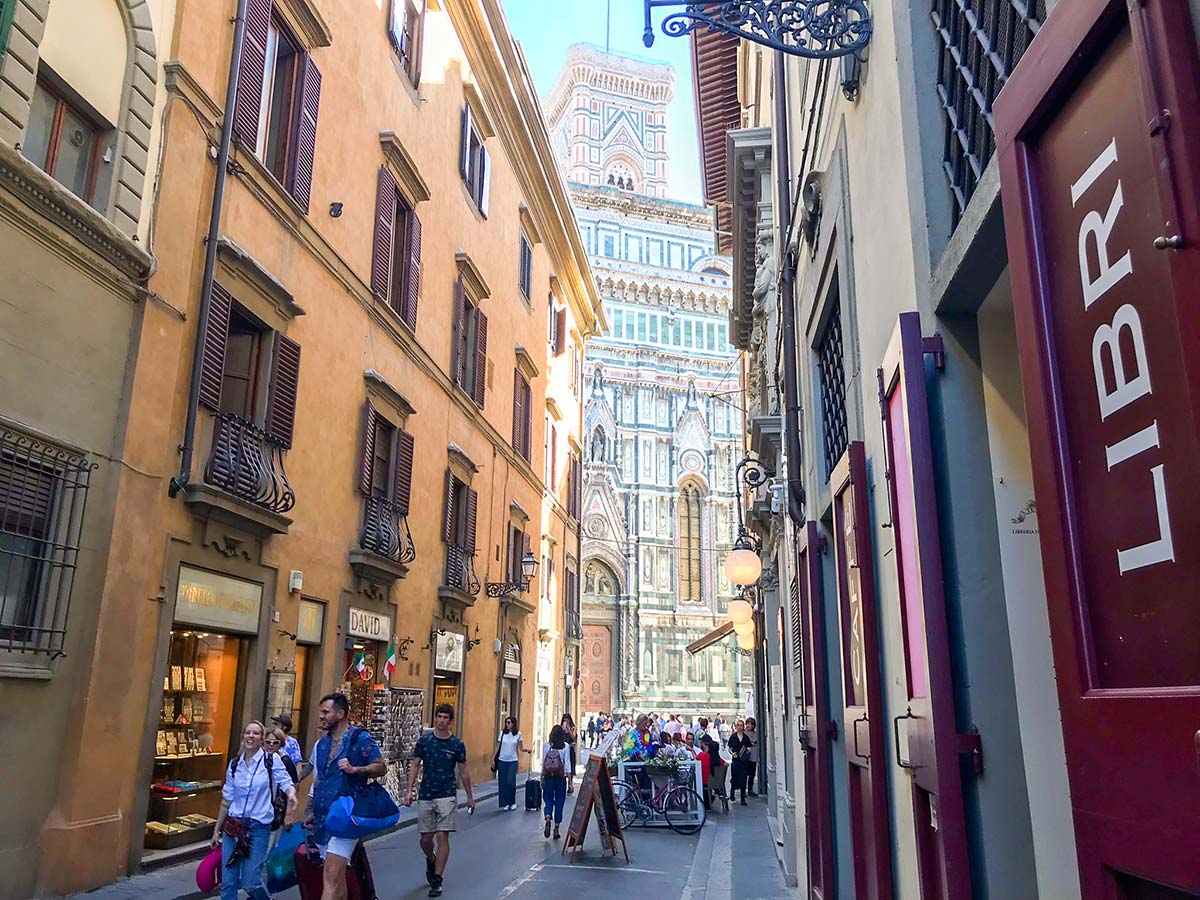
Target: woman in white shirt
<point>510,744</point>
<point>247,814</point>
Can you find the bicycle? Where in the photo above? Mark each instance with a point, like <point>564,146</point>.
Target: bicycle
<point>681,806</point>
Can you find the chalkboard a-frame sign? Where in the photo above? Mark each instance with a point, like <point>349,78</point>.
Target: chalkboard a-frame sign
<point>595,791</point>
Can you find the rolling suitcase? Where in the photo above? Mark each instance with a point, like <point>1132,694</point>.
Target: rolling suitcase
<point>360,883</point>
<point>533,794</point>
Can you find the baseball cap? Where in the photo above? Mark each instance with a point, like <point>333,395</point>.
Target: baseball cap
<point>285,721</point>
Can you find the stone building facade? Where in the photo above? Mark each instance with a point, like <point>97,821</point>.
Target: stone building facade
<point>663,409</point>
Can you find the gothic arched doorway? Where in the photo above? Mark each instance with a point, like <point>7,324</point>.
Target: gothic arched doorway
<point>596,671</point>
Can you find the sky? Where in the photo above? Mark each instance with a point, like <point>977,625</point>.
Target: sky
<point>546,28</point>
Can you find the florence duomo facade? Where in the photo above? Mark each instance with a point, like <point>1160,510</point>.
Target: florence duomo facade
<point>662,416</point>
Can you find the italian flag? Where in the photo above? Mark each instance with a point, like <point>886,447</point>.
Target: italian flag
<point>389,662</point>
<point>360,663</point>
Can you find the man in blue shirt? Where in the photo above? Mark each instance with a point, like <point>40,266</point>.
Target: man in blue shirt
<point>444,757</point>
<point>291,746</point>
<point>342,762</point>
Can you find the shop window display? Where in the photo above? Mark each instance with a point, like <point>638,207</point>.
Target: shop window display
<point>193,738</point>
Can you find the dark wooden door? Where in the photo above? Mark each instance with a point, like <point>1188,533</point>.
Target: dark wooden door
<point>816,727</point>
<point>926,735</point>
<point>863,722</point>
<point>1099,140</point>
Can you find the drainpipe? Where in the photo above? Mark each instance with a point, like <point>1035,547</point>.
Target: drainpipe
<point>787,290</point>
<point>180,481</point>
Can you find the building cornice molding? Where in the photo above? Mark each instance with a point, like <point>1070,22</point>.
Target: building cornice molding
<point>306,20</point>
<point>525,363</point>
<point>477,288</point>
<point>529,225</point>
<point>45,209</point>
<point>238,259</point>
<point>388,392</point>
<point>408,177</point>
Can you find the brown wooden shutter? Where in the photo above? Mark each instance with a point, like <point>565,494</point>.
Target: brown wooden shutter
<point>248,100</point>
<point>281,392</point>
<point>518,413</point>
<point>385,221</point>
<point>560,332</point>
<point>402,468</point>
<point>528,420</point>
<point>553,458</point>
<point>305,143</point>
<point>512,552</point>
<point>794,612</point>
<point>413,281</point>
<point>26,495</point>
<point>457,328</point>
<point>480,387</point>
<point>366,463</point>
<point>526,550</point>
<point>448,511</point>
<point>215,338</point>
<point>464,157</point>
<point>469,538</point>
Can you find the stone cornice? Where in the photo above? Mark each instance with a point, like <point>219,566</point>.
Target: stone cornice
<point>238,259</point>
<point>531,230</point>
<point>306,20</point>
<point>49,211</point>
<point>525,363</point>
<point>641,206</point>
<point>477,288</point>
<point>385,389</point>
<point>407,177</point>
<point>504,81</point>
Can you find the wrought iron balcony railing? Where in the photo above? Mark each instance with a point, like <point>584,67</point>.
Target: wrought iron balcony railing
<point>574,628</point>
<point>248,464</point>
<point>385,531</point>
<point>460,570</point>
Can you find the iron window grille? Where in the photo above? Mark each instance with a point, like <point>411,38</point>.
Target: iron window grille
<point>43,493</point>
<point>385,531</point>
<point>981,42</point>
<point>832,370</point>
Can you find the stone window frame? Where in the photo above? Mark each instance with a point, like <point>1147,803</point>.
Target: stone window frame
<point>18,72</point>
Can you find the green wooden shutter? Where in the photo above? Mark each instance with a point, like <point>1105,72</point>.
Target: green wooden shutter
<point>7,8</point>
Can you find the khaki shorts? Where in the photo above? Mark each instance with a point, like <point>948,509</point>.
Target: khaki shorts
<point>437,815</point>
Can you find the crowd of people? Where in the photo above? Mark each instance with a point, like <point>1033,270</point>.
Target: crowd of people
<point>259,793</point>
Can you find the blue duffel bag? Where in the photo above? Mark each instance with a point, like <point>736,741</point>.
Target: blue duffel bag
<point>369,810</point>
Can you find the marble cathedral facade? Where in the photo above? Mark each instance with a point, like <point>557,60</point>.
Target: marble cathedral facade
<point>663,417</point>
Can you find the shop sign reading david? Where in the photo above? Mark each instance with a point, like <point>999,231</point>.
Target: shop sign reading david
<point>368,625</point>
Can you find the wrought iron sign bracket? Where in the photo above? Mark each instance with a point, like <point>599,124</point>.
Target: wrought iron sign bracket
<point>506,588</point>
<point>813,29</point>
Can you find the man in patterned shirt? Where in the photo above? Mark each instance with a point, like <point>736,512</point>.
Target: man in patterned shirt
<point>444,758</point>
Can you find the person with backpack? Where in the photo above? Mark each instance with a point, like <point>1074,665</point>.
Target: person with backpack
<point>248,814</point>
<point>556,762</point>
<point>591,731</point>
<point>342,762</point>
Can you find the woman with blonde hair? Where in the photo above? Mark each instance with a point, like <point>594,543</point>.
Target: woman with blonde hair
<point>247,814</point>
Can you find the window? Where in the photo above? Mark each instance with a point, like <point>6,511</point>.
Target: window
<point>522,414</point>
<point>278,97</point>
<point>396,254</point>
<point>406,29</point>
<point>459,519</point>
<point>654,329</point>
<point>674,667</point>
<point>385,479</point>
<point>7,8</point>
<point>468,356</point>
<point>551,456</point>
<point>689,543</point>
<point>64,142</point>
<point>525,273</point>
<point>475,164</point>
<point>832,377</point>
<point>42,493</point>
<point>558,330</point>
<point>519,547</point>
<point>687,334</point>
<point>575,486</point>
<point>609,246</point>
<point>641,328</point>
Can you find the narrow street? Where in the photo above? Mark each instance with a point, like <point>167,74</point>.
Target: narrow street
<point>498,854</point>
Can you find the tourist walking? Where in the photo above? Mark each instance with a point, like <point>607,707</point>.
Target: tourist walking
<point>752,760</point>
<point>342,762</point>
<point>244,823</point>
<point>557,761</point>
<point>591,731</point>
<point>291,746</point>
<point>444,758</point>
<point>275,741</point>
<point>510,744</point>
<point>572,735</point>
<point>739,747</point>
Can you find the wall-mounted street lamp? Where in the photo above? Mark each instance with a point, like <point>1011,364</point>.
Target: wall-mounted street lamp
<point>529,567</point>
<point>814,29</point>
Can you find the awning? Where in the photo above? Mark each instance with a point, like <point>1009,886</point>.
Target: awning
<point>718,633</point>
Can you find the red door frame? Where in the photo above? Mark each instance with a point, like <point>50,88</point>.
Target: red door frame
<point>817,730</point>
<point>862,690</point>
<point>929,729</point>
<point>1131,753</point>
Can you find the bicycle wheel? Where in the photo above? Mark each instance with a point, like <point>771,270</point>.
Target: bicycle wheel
<point>629,802</point>
<point>684,809</point>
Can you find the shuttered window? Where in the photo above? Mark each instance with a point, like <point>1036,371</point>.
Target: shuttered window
<point>519,546</point>
<point>522,414</point>
<point>239,352</point>
<point>560,332</point>
<point>406,29</point>
<point>525,273</point>
<point>796,629</point>
<point>396,254</point>
<point>468,349</point>
<point>475,164</point>
<point>278,98</point>
<point>460,514</point>
<point>386,461</point>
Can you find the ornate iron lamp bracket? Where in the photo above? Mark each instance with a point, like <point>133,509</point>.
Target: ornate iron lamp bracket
<point>506,588</point>
<point>814,29</point>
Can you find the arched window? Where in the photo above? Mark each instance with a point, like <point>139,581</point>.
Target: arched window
<point>689,544</point>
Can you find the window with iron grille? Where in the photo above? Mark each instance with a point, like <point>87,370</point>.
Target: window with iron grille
<point>43,491</point>
<point>831,367</point>
<point>980,42</point>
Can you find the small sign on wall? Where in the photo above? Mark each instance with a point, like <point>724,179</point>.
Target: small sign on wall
<point>368,625</point>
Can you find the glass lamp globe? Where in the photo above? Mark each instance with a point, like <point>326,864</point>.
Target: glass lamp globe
<point>740,611</point>
<point>743,566</point>
<point>746,627</point>
<point>745,642</point>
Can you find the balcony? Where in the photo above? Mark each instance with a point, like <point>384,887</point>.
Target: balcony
<point>245,484</point>
<point>574,627</point>
<point>460,584</point>
<point>385,545</point>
